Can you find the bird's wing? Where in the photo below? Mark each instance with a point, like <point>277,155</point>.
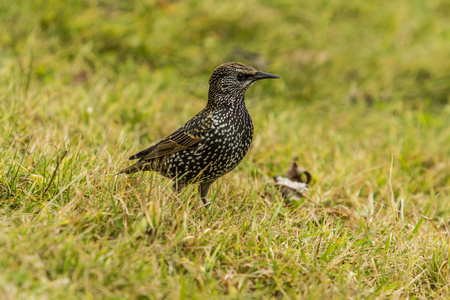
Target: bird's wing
<point>186,137</point>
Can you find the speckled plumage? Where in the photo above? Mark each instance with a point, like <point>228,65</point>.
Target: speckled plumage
<point>214,141</point>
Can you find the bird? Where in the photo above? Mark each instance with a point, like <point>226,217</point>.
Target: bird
<point>214,141</point>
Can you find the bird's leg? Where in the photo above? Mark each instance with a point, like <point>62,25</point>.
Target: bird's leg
<point>203,190</point>
<point>178,186</point>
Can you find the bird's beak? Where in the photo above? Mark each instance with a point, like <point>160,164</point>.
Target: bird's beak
<point>263,75</point>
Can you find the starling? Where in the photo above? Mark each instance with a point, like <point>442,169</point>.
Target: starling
<point>212,143</point>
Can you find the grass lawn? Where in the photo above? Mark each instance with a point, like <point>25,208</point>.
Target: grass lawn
<point>363,104</point>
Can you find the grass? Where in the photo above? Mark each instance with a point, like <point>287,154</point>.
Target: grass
<point>363,104</point>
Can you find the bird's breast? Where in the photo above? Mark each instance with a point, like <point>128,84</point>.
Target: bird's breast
<point>228,140</point>
<point>223,147</point>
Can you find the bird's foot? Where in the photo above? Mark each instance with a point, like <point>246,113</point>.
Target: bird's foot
<point>205,203</point>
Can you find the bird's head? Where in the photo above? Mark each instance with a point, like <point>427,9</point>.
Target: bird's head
<point>231,80</point>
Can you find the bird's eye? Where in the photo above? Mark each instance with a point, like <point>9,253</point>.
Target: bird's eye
<point>240,76</point>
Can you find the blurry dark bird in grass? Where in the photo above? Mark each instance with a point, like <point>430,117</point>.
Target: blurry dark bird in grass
<point>213,142</point>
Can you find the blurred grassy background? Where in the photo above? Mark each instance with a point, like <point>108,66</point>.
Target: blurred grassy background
<point>363,104</point>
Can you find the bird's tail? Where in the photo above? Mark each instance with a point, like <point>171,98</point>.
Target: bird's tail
<point>139,166</point>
